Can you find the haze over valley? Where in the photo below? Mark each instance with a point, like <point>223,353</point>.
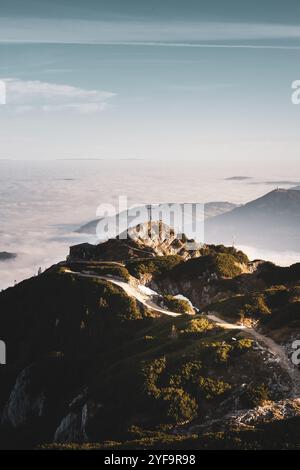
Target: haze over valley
<point>44,203</point>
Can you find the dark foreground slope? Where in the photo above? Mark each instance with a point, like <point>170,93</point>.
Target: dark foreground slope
<point>88,364</point>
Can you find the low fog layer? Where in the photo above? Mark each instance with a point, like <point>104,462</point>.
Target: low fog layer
<point>43,203</point>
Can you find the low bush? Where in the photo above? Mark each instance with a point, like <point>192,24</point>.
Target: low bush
<point>238,307</point>
<point>177,305</point>
<point>256,395</point>
<point>239,256</point>
<point>113,270</point>
<point>211,389</point>
<point>220,351</point>
<point>156,266</point>
<point>181,407</point>
<point>101,268</point>
<point>150,373</point>
<point>256,307</point>
<point>174,403</point>
<point>197,325</point>
<point>221,264</point>
<point>274,275</point>
<point>190,371</point>
<point>117,301</point>
<point>244,344</point>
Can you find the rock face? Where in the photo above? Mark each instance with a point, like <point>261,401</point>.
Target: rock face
<point>143,241</point>
<point>37,400</point>
<point>75,426</point>
<point>25,403</point>
<point>270,412</point>
<point>71,429</point>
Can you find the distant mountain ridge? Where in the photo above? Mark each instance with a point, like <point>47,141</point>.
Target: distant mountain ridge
<point>271,221</point>
<point>211,209</point>
<point>238,178</point>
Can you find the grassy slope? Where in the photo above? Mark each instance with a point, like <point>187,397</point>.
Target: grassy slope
<point>147,382</point>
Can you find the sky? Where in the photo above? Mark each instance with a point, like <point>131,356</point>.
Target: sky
<point>193,80</point>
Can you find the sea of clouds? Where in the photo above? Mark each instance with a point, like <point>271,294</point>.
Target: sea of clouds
<point>42,203</point>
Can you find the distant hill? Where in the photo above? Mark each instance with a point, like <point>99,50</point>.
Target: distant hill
<point>211,209</point>
<point>271,221</point>
<point>5,256</point>
<point>277,183</point>
<point>238,178</point>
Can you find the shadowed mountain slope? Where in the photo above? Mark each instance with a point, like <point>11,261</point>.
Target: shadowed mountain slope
<point>271,222</point>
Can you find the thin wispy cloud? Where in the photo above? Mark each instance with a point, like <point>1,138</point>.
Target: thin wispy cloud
<point>201,87</point>
<point>203,46</point>
<point>25,96</point>
<point>145,32</point>
<point>168,44</point>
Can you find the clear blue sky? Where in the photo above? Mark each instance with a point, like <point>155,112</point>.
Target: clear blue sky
<point>157,79</point>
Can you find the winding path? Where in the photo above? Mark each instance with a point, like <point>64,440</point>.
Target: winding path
<point>274,348</point>
<point>130,290</point>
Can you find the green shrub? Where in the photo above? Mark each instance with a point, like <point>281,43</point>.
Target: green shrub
<point>150,373</point>
<point>186,375</point>
<point>181,407</point>
<point>242,306</point>
<point>198,325</point>
<point>226,265</point>
<point>173,402</point>
<point>275,275</point>
<point>221,351</point>
<point>256,308</point>
<point>211,389</point>
<point>221,264</point>
<point>177,305</point>
<point>239,256</point>
<point>175,380</point>
<point>257,395</point>
<point>100,268</point>
<point>190,371</point>
<point>277,296</point>
<point>244,344</point>
<point>117,271</point>
<point>116,300</point>
<point>156,266</point>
